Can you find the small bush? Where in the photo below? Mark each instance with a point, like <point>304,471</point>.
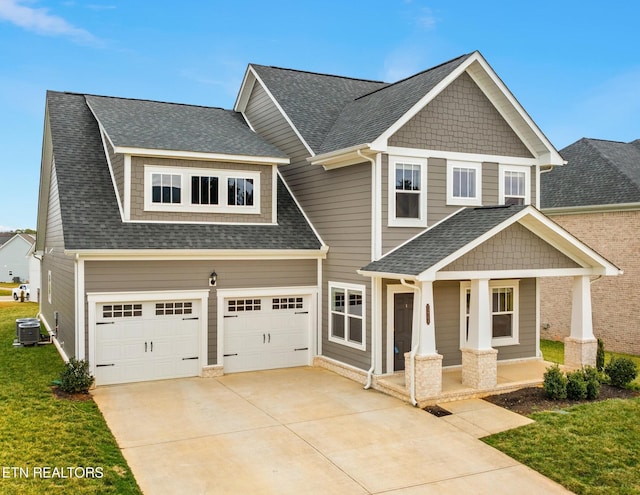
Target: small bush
<point>621,371</point>
<point>75,377</point>
<point>555,383</point>
<point>576,385</point>
<point>600,356</point>
<point>593,379</point>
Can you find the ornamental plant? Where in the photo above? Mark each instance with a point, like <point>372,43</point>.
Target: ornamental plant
<point>555,383</point>
<point>621,371</point>
<point>75,377</point>
<point>576,385</point>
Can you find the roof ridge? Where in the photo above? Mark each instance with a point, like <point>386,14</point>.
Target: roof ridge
<point>149,101</point>
<point>319,73</point>
<point>388,85</point>
<point>611,162</point>
<point>605,140</point>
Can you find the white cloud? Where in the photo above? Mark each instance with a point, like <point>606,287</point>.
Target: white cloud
<point>426,19</point>
<point>40,21</point>
<point>4,228</point>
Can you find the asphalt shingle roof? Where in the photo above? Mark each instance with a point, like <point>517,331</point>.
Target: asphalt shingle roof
<point>442,240</point>
<point>89,210</point>
<point>313,101</point>
<point>172,126</point>
<point>333,112</point>
<point>597,173</point>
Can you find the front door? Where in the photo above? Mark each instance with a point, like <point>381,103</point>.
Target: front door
<point>402,323</point>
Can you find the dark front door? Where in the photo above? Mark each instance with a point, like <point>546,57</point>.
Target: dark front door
<point>402,322</point>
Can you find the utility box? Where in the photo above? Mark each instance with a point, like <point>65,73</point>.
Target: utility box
<point>29,333</point>
<point>25,320</point>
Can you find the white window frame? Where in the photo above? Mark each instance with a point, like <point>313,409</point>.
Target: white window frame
<point>345,340</point>
<point>421,221</point>
<point>503,168</point>
<point>186,173</point>
<point>514,339</point>
<point>464,201</point>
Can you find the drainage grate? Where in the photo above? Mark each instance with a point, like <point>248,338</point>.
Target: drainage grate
<point>437,411</point>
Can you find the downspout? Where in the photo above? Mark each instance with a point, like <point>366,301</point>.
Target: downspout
<point>373,241</point>
<point>414,350</point>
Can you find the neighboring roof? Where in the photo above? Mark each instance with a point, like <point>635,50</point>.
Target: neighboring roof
<point>313,101</point>
<point>597,172</point>
<point>28,238</point>
<point>171,126</point>
<point>365,118</point>
<point>89,210</point>
<point>5,236</point>
<point>442,240</point>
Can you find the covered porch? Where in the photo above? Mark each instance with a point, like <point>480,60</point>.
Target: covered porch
<point>488,260</point>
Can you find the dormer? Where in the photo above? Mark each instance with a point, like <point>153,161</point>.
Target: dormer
<point>174,163</point>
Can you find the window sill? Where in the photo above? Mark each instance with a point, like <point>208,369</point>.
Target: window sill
<point>504,341</point>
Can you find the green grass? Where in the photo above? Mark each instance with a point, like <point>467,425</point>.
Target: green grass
<point>590,449</point>
<point>6,287</point>
<point>39,430</point>
<point>553,351</point>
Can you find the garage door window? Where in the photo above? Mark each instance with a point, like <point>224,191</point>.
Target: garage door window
<point>237,305</point>
<point>347,315</point>
<point>287,303</point>
<point>121,310</point>
<point>174,308</point>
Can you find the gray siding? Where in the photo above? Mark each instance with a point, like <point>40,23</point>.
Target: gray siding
<point>461,118</point>
<point>117,167</point>
<point>527,324</point>
<point>119,276</point>
<point>490,183</point>
<point>338,203</point>
<point>514,248</point>
<point>62,274</point>
<point>137,192</point>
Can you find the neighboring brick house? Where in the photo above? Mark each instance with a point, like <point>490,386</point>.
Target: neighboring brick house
<point>596,197</point>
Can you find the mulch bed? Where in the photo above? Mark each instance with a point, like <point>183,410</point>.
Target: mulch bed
<point>80,396</point>
<point>530,400</point>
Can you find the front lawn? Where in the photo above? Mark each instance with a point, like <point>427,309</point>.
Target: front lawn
<point>6,288</point>
<point>589,449</point>
<point>50,445</point>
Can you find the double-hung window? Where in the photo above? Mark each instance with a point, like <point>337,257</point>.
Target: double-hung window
<point>407,192</point>
<point>464,183</point>
<point>347,315</point>
<point>201,190</point>
<point>515,185</point>
<point>504,302</point>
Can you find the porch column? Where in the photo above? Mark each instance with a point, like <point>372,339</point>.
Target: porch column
<point>427,367</point>
<point>479,359</point>
<point>581,346</point>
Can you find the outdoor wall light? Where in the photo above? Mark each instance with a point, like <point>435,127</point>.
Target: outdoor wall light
<point>213,278</point>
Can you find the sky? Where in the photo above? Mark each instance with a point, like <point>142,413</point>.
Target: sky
<point>573,65</point>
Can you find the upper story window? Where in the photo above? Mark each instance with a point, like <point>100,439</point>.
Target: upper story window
<point>515,185</point>
<point>407,192</point>
<point>464,183</point>
<point>201,190</point>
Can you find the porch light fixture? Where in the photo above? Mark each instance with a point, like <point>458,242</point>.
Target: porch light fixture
<point>213,278</point>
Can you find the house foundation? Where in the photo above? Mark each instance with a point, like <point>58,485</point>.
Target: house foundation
<point>428,375</point>
<point>580,352</point>
<point>480,368</point>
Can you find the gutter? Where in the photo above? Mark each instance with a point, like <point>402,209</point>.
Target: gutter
<point>416,288</point>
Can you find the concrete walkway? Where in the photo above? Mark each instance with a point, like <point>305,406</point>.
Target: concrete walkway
<point>305,430</point>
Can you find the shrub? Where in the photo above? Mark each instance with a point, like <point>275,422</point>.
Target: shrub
<point>621,371</point>
<point>593,378</point>
<point>75,377</point>
<point>600,356</point>
<point>576,385</point>
<point>555,383</point>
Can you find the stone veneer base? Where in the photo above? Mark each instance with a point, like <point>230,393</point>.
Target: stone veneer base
<point>579,353</point>
<point>428,375</point>
<point>480,368</point>
<point>212,371</point>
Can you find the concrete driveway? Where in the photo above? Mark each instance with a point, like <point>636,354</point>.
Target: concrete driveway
<point>300,430</point>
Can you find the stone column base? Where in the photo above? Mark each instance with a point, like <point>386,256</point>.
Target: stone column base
<point>428,375</point>
<point>480,368</point>
<point>579,353</point>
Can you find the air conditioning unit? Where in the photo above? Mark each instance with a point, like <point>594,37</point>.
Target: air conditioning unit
<point>19,321</point>
<point>29,333</point>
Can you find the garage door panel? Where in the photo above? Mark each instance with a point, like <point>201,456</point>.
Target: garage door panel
<point>266,333</point>
<point>154,344</point>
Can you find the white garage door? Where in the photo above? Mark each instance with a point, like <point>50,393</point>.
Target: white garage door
<point>152,340</point>
<point>266,332</point>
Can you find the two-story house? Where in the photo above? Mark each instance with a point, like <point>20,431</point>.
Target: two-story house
<point>368,227</point>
